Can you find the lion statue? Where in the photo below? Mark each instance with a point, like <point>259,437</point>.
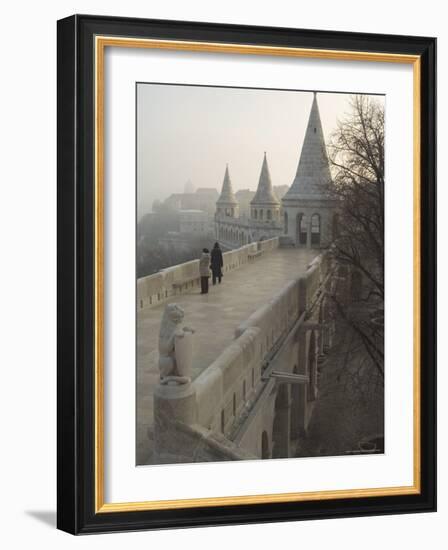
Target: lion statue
<point>175,347</point>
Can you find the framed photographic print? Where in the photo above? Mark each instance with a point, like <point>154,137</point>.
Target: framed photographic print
<point>246,274</point>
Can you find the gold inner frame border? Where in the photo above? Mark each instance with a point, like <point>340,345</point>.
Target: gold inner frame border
<point>100,44</point>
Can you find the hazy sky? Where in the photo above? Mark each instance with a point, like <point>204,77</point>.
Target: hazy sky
<point>191,132</point>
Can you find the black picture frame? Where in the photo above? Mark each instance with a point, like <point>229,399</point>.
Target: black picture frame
<point>76,255</point>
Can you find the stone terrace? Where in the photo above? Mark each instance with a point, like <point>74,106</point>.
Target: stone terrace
<point>214,317</point>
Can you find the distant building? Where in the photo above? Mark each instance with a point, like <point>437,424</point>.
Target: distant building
<point>203,198</point>
<point>189,187</point>
<point>195,222</point>
<point>244,196</point>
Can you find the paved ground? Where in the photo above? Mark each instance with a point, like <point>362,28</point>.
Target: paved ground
<point>214,317</point>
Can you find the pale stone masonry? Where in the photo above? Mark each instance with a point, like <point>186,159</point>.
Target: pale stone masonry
<point>307,214</point>
<point>309,207</point>
<point>243,332</point>
<point>258,336</point>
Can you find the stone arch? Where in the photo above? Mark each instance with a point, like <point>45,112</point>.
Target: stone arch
<point>261,214</point>
<point>269,214</point>
<point>255,214</point>
<point>301,228</point>
<point>315,229</point>
<point>281,430</point>
<point>265,451</point>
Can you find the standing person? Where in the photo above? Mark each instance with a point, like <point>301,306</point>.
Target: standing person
<point>216,264</point>
<point>204,270</point>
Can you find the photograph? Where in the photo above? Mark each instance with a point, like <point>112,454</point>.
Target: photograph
<point>259,273</point>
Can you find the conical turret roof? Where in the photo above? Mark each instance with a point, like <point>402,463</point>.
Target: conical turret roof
<point>265,194</point>
<point>313,177</point>
<point>227,196</point>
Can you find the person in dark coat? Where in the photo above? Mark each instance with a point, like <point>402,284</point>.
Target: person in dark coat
<point>216,264</point>
<point>204,270</point>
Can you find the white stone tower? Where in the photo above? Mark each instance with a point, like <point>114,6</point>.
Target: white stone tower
<point>227,205</point>
<point>265,206</point>
<point>309,206</point>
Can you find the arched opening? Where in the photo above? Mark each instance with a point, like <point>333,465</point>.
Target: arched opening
<point>315,229</point>
<point>302,228</point>
<point>234,404</point>
<point>261,214</point>
<point>312,368</point>
<point>244,390</point>
<point>269,215</point>
<point>286,223</point>
<point>282,423</point>
<point>265,453</point>
<point>255,214</point>
<point>356,286</point>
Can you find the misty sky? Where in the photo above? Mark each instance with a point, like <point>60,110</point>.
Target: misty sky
<point>191,132</point>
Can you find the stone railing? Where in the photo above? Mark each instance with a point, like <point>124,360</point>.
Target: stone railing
<point>224,388</point>
<point>230,383</point>
<point>268,244</point>
<point>312,280</point>
<point>175,280</point>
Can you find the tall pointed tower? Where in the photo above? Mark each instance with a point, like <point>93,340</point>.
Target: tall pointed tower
<point>309,207</point>
<point>227,205</point>
<point>265,206</point>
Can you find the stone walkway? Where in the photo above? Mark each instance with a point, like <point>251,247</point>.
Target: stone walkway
<point>214,317</point>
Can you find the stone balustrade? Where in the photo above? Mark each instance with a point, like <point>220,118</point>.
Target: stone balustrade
<point>229,384</point>
<point>226,411</point>
<point>172,281</point>
<point>225,387</point>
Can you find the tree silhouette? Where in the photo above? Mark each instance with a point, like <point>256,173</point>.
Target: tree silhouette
<point>356,152</point>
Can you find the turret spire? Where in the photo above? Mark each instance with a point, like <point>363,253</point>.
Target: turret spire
<point>265,194</point>
<point>313,175</point>
<point>227,196</point>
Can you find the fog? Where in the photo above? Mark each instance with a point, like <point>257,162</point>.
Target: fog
<point>191,132</point>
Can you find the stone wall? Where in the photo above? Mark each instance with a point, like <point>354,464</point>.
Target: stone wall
<point>226,390</point>
<point>229,409</point>
<point>178,279</point>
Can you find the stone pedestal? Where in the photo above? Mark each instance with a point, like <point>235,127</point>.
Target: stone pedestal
<point>174,406</point>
